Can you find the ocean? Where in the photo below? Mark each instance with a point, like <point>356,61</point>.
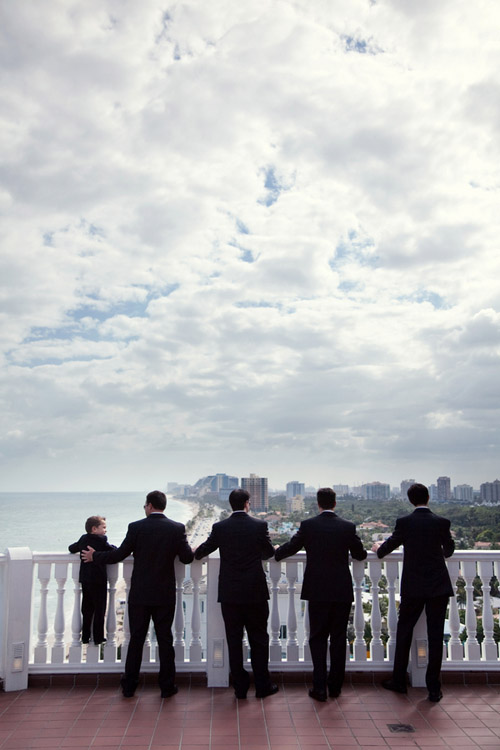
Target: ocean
<point>50,521</point>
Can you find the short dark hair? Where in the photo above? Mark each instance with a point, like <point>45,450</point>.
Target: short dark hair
<point>93,521</point>
<point>326,498</point>
<point>418,494</point>
<point>157,499</point>
<point>238,499</point>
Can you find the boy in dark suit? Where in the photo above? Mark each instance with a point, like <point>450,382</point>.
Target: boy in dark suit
<point>425,582</point>
<point>328,540</point>
<point>93,579</point>
<point>243,542</point>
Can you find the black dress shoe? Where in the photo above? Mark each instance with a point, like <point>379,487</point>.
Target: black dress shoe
<point>318,695</point>
<point>169,692</point>
<point>333,692</point>
<point>391,685</point>
<point>241,696</point>
<point>128,693</point>
<point>269,690</point>
<point>435,697</point>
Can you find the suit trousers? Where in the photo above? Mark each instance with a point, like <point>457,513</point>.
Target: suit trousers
<point>253,617</point>
<point>93,610</point>
<point>410,610</point>
<point>139,616</point>
<point>328,620</point>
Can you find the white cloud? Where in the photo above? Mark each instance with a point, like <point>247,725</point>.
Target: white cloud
<point>249,237</point>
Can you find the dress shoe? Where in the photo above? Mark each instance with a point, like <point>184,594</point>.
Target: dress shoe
<point>435,697</point>
<point>318,695</point>
<point>271,689</point>
<point>333,692</point>
<point>169,692</point>
<point>391,685</point>
<point>239,695</point>
<point>128,693</point>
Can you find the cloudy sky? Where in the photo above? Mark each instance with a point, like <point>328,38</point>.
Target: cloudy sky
<point>249,237</point>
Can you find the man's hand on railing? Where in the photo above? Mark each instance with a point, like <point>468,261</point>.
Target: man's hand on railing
<point>376,545</point>
<point>87,554</point>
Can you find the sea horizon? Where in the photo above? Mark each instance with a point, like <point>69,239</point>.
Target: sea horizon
<point>50,521</point>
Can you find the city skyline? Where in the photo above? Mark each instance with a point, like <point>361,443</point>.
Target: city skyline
<point>263,235</point>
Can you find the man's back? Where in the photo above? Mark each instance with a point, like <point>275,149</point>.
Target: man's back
<point>426,540</point>
<point>243,543</point>
<point>328,540</point>
<point>155,542</point>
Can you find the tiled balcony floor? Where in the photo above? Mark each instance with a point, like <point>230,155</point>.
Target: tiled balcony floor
<point>200,718</point>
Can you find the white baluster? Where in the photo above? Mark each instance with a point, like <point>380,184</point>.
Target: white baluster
<point>307,631</point>
<point>358,573</point>
<point>179,612</point>
<point>195,647</point>
<point>75,650</point>
<point>391,573</point>
<point>292,644</point>
<point>61,575</point>
<point>41,649</point>
<point>275,643</point>
<point>128,565</point>
<point>377,647</point>
<point>472,648</point>
<point>109,651</point>
<point>489,647</point>
<point>455,645</point>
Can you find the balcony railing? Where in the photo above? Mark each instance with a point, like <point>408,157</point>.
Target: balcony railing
<point>40,618</point>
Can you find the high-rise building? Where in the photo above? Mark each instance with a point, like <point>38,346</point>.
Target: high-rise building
<point>443,489</point>
<point>295,504</point>
<point>295,488</point>
<point>257,487</point>
<point>376,491</point>
<point>405,486</point>
<point>490,492</point>
<point>341,490</point>
<point>464,492</point>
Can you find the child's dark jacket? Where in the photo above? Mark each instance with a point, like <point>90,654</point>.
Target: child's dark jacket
<point>92,573</point>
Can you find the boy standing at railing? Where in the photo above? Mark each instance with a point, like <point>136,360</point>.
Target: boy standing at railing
<point>94,579</point>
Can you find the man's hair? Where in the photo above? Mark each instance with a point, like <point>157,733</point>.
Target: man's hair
<point>326,498</point>
<point>157,499</point>
<point>93,521</point>
<point>418,494</point>
<point>238,498</point>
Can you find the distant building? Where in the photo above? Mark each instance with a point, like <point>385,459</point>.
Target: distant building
<point>464,492</point>
<point>433,492</point>
<point>405,486</point>
<point>376,491</point>
<point>490,492</point>
<point>295,504</point>
<point>257,487</point>
<point>443,489</point>
<point>341,490</point>
<point>222,484</point>
<point>295,488</point>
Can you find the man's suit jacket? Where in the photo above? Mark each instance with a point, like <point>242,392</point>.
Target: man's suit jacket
<point>155,542</point>
<point>243,542</point>
<point>426,540</point>
<point>327,539</point>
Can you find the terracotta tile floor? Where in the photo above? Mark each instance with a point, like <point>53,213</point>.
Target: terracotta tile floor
<point>199,718</point>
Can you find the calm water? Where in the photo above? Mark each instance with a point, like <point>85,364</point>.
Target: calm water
<point>49,521</point>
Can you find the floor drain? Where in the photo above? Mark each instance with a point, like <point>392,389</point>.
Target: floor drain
<point>401,728</point>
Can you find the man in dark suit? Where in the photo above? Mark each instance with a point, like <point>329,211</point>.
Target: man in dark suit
<point>155,542</point>
<point>243,594</point>
<point>327,586</point>
<point>425,582</point>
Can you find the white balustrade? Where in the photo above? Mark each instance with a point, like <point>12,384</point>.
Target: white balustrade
<point>56,649</point>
